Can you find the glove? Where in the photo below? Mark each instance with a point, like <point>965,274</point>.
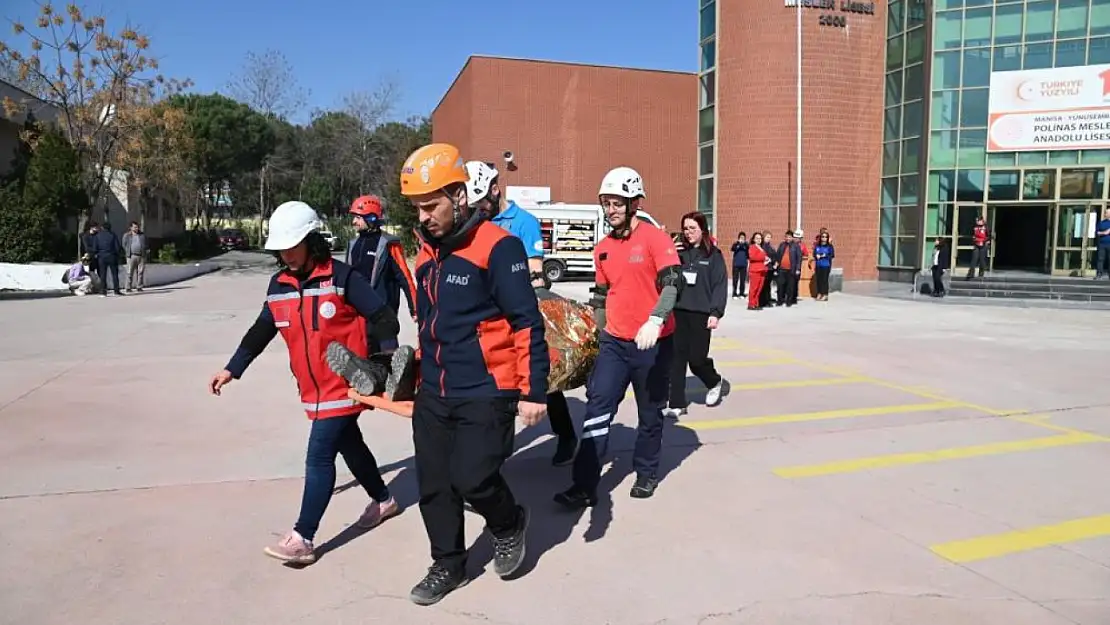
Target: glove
<point>649,333</point>
<point>543,293</point>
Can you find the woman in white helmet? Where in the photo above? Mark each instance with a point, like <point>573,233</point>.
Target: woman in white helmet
<point>638,281</point>
<point>312,301</point>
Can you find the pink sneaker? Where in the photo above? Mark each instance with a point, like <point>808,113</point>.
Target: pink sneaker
<point>293,548</point>
<point>378,512</point>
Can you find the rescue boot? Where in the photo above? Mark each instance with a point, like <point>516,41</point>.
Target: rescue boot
<point>365,376</point>
<point>400,384</point>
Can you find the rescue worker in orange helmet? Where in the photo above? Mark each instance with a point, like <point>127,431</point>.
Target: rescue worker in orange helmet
<point>312,301</point>
<point>484,359</point>
<point>380,257</point>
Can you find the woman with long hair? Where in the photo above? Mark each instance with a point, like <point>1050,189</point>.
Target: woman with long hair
<point>700,306</point>
<point>823,255</point>
<point>758,263</point>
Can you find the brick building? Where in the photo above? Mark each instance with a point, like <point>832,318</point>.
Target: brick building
<point>568,123</point>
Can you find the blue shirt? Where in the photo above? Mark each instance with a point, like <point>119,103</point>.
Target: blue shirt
<point>522,225</point>
<point>1103,240</point>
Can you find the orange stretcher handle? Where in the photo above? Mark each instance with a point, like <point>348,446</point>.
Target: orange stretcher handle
<point>400,408</point>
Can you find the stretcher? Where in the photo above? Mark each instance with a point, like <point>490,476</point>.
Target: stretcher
<point>379,402</point>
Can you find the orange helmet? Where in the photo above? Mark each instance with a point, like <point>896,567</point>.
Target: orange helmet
<point>366,206</point>
<point>432,168</point>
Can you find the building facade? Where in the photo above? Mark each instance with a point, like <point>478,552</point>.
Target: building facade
<point>567,124</point>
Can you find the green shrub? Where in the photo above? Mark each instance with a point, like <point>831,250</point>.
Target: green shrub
<point>167,254</point>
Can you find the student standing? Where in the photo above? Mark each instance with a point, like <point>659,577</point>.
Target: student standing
<point>942,260</point>
<point>823,255</point>
<point>759,262</point>
<point>740,265</point>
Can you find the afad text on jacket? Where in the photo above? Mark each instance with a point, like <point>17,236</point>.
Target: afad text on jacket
<point>481,331</point>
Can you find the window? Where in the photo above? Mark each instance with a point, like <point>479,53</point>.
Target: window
<point>1007,24</point>
<point>938,220</point>
<point>911,158</point>
<point>709,55</point>
<point>973,109</point>
<point>1007,58</point>
<point>705,195</point>
<point>708,20</point>
<point>1099,50</point>
<point>1072,20</point>
<point>894,88</point>
<point>906,251</point>
<point>973,148</point>
<point>1094,157</point>
<point>892,123</point>
<point>947,31</point>
<point>705,160</point>
<point>888,221</point>
<point>1039,185</point>
<point>890,158</point>
<point>1081,184</point>
<point>1005,159</point>
<point>946,70</point>
<point>894,52</point>
<point>1071,53</point>
<point>1039,18</point>
<point>915,46</point>
<point>1063,157</point>
<point>886,251</point>
<point>942,186</point>
<point>913,119</point>
<point>977,68</point>
<point>894,18</point>
<point>1031,158</point>
<point>908,217</point>
<point>1002,185</point>
<point>942,149</point>
<point>1038,56</point>
<point>915,13</point>
<point>708,92</point>
<point>915,82</point>
<point>890,192</point>
<point>907,191</point>
<point>706,125</point>
<point>969,185</point>
<point>1100,17</point>
<point>945,108</point>
<point>977,27</point>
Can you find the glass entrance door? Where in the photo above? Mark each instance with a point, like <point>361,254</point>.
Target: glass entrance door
<point>1073,254</point>
<point>966,214</point>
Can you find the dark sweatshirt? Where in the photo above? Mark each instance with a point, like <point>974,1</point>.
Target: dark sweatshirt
<point>705,288</point>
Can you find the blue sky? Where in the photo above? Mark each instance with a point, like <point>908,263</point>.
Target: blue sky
<point>337,46</point>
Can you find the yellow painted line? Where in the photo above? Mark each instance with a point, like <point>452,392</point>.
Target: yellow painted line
<point>762,386</point>
<point>823,415</point>
<point>996,545</point>
<point>755,363</point>
<point>939,455</point>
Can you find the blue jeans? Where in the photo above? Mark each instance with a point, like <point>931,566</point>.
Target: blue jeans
<point>618,364</point>
<point>328,438</point>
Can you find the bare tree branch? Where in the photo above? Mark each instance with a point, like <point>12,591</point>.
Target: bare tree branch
<point>268,84</point>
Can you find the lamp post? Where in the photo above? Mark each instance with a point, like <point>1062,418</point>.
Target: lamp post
<point>798,156</point>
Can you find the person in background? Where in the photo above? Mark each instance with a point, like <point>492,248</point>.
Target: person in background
<point>78,278</point>
<point>740,265</point>
<point>380,257</point>
<point>771,272</point>
<point>699,309</point>
<point>108,249</point>
<point>823,255</point>
<point>134,250</point>
<point>942,260</point>
<point>817,239</point>
<point>789,257</point>
<point>801,242</point>
<point>312,301</point>
<point>759,264</point>
<point>980,253</point>
<point>1102,256</point>
<point>88,245</point>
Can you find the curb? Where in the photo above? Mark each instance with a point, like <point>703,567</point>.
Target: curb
<point>202,270</point>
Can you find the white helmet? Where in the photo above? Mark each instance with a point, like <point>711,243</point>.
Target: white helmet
<point>479,180</point>
<point>624,182</point>
<point>290,224</point>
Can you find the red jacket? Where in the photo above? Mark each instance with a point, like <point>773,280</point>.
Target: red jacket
<point>756,256</point>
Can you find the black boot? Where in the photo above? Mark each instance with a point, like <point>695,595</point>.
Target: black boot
<point>576,498</point>
<point>644,487</point>
<point>365,376</point>
<point>436,585</point>
<point>509,552</point>
<point>400,385</point>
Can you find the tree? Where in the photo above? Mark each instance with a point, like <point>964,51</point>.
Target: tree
<point>153,152</point>
<point>369,109</point>
<point>228,139</point>
<point>405,139</point>
<point>93,75</point>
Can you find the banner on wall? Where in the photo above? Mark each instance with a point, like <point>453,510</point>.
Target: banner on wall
<point>1064,108</point>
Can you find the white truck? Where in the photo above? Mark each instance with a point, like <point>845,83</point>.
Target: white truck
<point>570,233</point>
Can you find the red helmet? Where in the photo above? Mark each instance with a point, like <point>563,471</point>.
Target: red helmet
<point>366,206</point>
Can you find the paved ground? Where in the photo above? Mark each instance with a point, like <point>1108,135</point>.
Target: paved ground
<point>877,462</point>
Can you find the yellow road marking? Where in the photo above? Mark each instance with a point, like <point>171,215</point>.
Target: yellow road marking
<point>762,386</point>
<point>939,455</point>
<point>996,545</point>
<point>755,363</point>
<point>818,416</point>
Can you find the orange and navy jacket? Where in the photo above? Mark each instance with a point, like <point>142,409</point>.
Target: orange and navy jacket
<point>481,331</point>
<point>330,304</point>
<point>380,257</point>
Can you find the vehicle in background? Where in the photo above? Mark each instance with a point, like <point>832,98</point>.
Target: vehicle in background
<point>333,241</point>
<point>233,239</point>
<point>570,233</point>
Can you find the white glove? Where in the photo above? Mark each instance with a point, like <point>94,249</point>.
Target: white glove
<point>649,333</point>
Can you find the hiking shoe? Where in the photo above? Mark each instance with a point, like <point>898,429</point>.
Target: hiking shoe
<point>378,512</point>
<point>364,376</point>
<point>644,487</point>
<point>436,585</point>
<point>576,498</point>
<point>565,449</point>
<point>293,548</point>
<point>508,552</point>
<point>400,384</point>
<point>713,395</point>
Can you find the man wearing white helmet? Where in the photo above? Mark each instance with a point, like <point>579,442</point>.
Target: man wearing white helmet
<point>313,301</point>
<point>483,192</point>
<point>638,282</point>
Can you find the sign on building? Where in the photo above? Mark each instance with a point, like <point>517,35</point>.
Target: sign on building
<point>528,196</point>
<point>1065,108</point>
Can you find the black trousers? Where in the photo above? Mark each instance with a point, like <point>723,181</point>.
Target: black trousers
<point>821,274</point>
<point>103,267</point>
<point>765,292</point>
<point>558,412</point>
<point>460,445</point>
<point>787,287</point>
<point>691,347</point>
<point>979,260</point>
<point>938,280</point>
<point>739,280</point>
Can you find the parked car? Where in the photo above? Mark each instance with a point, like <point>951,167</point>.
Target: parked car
<point>333,241</point>
<point>233,239</point>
